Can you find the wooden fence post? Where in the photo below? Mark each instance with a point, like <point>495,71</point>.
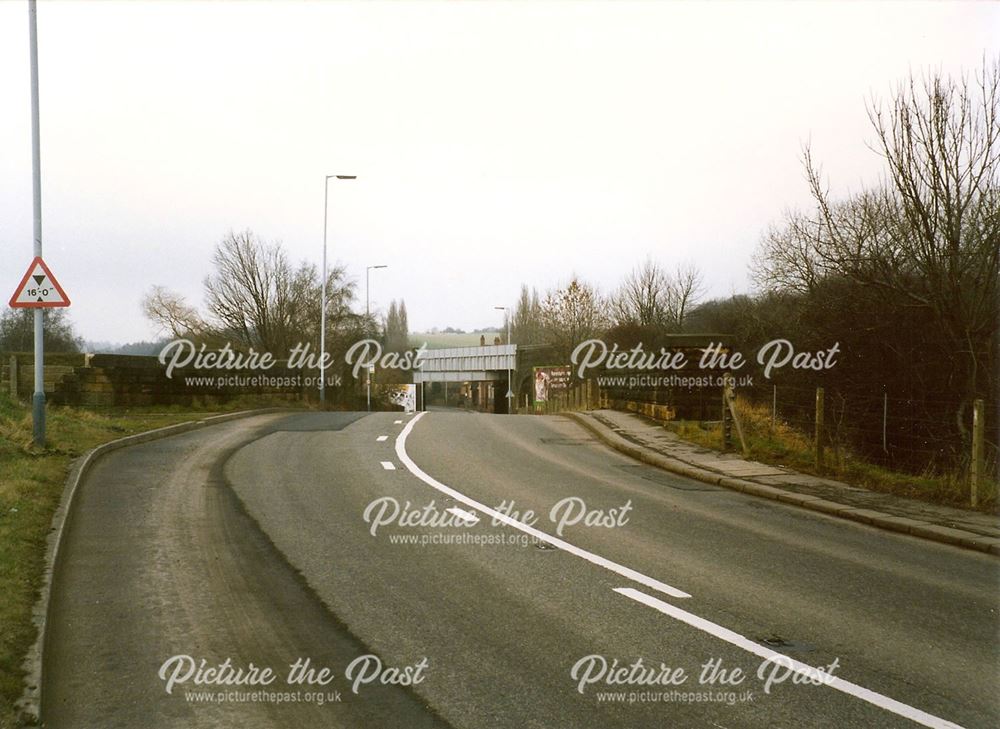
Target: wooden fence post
<point>885,422</point>
<point>730,400</point>
<point>774,406</point>
<point>727,426</point>
<point>819,430</point>
<point>976,470</point>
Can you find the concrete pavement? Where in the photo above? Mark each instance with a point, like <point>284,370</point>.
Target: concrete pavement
<point>654,444</point>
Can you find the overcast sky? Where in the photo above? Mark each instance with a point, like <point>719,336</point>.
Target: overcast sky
<point>495,143</point>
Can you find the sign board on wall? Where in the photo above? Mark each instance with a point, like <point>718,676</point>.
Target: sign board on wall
<point>549,380</point>
<point>405,396</point>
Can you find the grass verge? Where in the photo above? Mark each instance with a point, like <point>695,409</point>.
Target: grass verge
<point>782,445</point>
<point>31,484</point>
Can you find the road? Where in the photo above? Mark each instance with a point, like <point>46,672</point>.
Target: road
<point>249,541</point>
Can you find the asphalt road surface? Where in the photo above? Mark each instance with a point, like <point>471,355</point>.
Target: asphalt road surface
<point>253,541</point>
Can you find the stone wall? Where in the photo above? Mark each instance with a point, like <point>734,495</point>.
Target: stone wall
<point>105,380</point>
<point>17,372</point>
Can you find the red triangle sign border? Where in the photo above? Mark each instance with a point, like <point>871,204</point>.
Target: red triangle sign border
<point>37,261</point>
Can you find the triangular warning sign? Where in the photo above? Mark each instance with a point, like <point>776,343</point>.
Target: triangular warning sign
<point>38,288</point>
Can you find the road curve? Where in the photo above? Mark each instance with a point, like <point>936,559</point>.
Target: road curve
<point>249,540</point>
<point>162,560</point>
<point>912,621</point>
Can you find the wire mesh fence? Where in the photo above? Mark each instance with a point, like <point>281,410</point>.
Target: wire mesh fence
<point>930,434</point>
<point>922,434</point>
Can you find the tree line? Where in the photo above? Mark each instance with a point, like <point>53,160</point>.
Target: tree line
<point>649,300</point>
<point>256,298</point>
<point>903,274</point>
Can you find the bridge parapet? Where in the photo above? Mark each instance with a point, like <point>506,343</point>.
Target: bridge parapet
<point>461,364</point>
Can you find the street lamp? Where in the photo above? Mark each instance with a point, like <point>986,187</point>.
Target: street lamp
<point>367,275</point>
<point>38,396</point>
<point>368,377</point>
<point>510,391</point>
<point>322,312</point>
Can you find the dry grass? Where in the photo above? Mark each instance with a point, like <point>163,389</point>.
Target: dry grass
<point>785,446</point>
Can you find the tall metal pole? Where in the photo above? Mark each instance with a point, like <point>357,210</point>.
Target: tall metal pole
<point>368,375</point>
<point>510,392</point>
<point>38,398</point>
<point>510,389</point>
<point>322,312</point>
<point>368,271</point>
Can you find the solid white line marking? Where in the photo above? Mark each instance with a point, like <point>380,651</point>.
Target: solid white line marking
<point>510,521</point>
<point>396,422</point>
<point>883,702</point>
<point>469,516</point>
<point>388,465</point>
<point>382,438</point>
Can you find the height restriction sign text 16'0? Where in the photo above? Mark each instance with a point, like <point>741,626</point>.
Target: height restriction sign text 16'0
<point>38,288</point>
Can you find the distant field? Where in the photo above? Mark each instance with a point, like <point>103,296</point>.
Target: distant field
<point>443,341</point>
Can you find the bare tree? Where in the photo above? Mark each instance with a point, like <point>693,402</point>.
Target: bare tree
<point>649,296</point>
<point>930,234</point>
<point>683,293</point>
<point>247,293</point>
<point>572,315</point>
<point>785,260</point>
<point>171,313</point>
<point>257,295</point>
<point>642,297</point>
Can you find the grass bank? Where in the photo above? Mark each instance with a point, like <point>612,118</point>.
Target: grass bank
<point>31,484</point>
<point>782,445</point>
